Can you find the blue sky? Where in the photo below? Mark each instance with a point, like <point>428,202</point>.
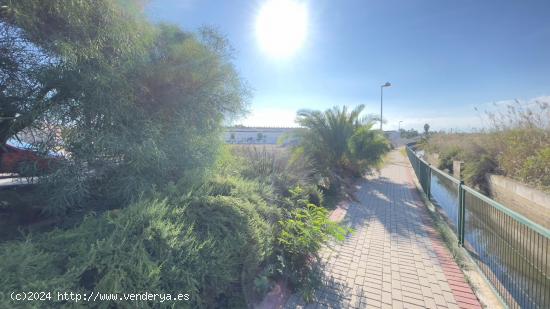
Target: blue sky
<point>443,57</point>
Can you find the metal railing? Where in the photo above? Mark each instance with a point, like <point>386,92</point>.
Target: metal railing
<point>511,250</point>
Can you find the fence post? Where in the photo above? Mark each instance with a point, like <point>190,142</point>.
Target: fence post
<point>429,184</point>
<point>461,212</point>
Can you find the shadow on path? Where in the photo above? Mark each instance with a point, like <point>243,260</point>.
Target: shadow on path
<point>389,259</point>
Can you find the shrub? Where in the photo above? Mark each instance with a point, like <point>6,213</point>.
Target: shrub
<point>208,246</point>
<point>339,141</point>
<point>241,241</point>
<point>522,155</point>
<point>139,109</point>
<point>301,237</point>
<point>302,226</point>
<point>276,167</point>
<point>135,105</point>
<point>446,158</point>
<point>476,170</point>
<point>515,145</point>
<point>367,147</point>
<point>536,169</point>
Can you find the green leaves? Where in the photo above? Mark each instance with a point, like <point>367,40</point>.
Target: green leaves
<point>339,140</point>
<point>303,233</point>
<point>209,244</point>
<point>367,146</point>
<point>136,105</point>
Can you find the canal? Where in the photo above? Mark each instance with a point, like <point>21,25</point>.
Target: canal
<point>510,254</point>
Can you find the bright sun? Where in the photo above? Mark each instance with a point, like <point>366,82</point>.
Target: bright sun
<point>281,27</point>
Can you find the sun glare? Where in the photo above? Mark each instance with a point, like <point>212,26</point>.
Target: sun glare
<point>281,27</point>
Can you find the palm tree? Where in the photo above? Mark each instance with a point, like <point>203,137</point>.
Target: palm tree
<point>426,129</point>
<point>326,136</point>
<point>327,132</point>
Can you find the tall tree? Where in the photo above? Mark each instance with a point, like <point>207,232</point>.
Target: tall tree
<point>338,139</point>
<point>53,50</point>
<point>138,105</point>
<point>328,132</point>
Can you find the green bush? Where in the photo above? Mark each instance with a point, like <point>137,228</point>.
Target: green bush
<point>301,238</point>
<point>524,155</point>
<point>536,169</point>
<point>515,145</point>
<point>248,190</point>
<point>157,204</point>
<point>275,167</point>
<point>135,105</point>
<point>222,243</point>
<point>367,147</point>
<point>241,239</point>
<point>476,170</point>
<point>447,157</point>
<point>339,142</point>
<point>208,246</point>
<point>301,227</point>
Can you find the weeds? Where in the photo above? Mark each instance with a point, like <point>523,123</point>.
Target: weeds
<point>517,145</point>
<point>301,237</point>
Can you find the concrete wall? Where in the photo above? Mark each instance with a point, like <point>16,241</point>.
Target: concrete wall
<point>529,202</point>
<point>432,158</point>
<point>250,135</point>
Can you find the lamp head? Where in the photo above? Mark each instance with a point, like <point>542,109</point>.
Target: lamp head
<point>387,84</point>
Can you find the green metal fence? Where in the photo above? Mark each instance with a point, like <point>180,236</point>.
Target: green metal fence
<point>510,250</point>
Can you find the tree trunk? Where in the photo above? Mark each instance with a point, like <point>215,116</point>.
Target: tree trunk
<point>5,131</point>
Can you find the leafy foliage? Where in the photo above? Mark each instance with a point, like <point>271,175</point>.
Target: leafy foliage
<point>475,171</point>
<point>276,167</point>
<point>339,141</point>
<point>367,147</point>
<point>300,240</point>
<point>151,199</point>
<point>205,244</point>
<point>447,157</point>
<point>219,243</point>
<point>136,106</point>
<point>56,54</point>
<point>536,169</point>
<point>301,228</point>
<point>516,145</point>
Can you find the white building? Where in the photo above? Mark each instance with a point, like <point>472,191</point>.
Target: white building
<point>244,135</point>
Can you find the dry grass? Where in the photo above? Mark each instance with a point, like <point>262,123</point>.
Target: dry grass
<point>517,145</point>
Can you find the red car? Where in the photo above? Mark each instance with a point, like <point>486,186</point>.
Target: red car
<point>20,159</point>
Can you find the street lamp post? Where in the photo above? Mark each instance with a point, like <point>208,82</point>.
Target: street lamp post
<point>387,84</point>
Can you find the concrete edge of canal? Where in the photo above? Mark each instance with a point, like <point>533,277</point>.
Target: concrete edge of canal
<point>484,291</point>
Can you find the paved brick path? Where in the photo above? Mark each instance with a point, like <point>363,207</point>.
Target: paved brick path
<point>394,259</point>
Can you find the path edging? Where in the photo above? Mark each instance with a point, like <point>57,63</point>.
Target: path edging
<point>431,208</point>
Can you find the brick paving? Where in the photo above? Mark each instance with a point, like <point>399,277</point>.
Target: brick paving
<point>395,259</point>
